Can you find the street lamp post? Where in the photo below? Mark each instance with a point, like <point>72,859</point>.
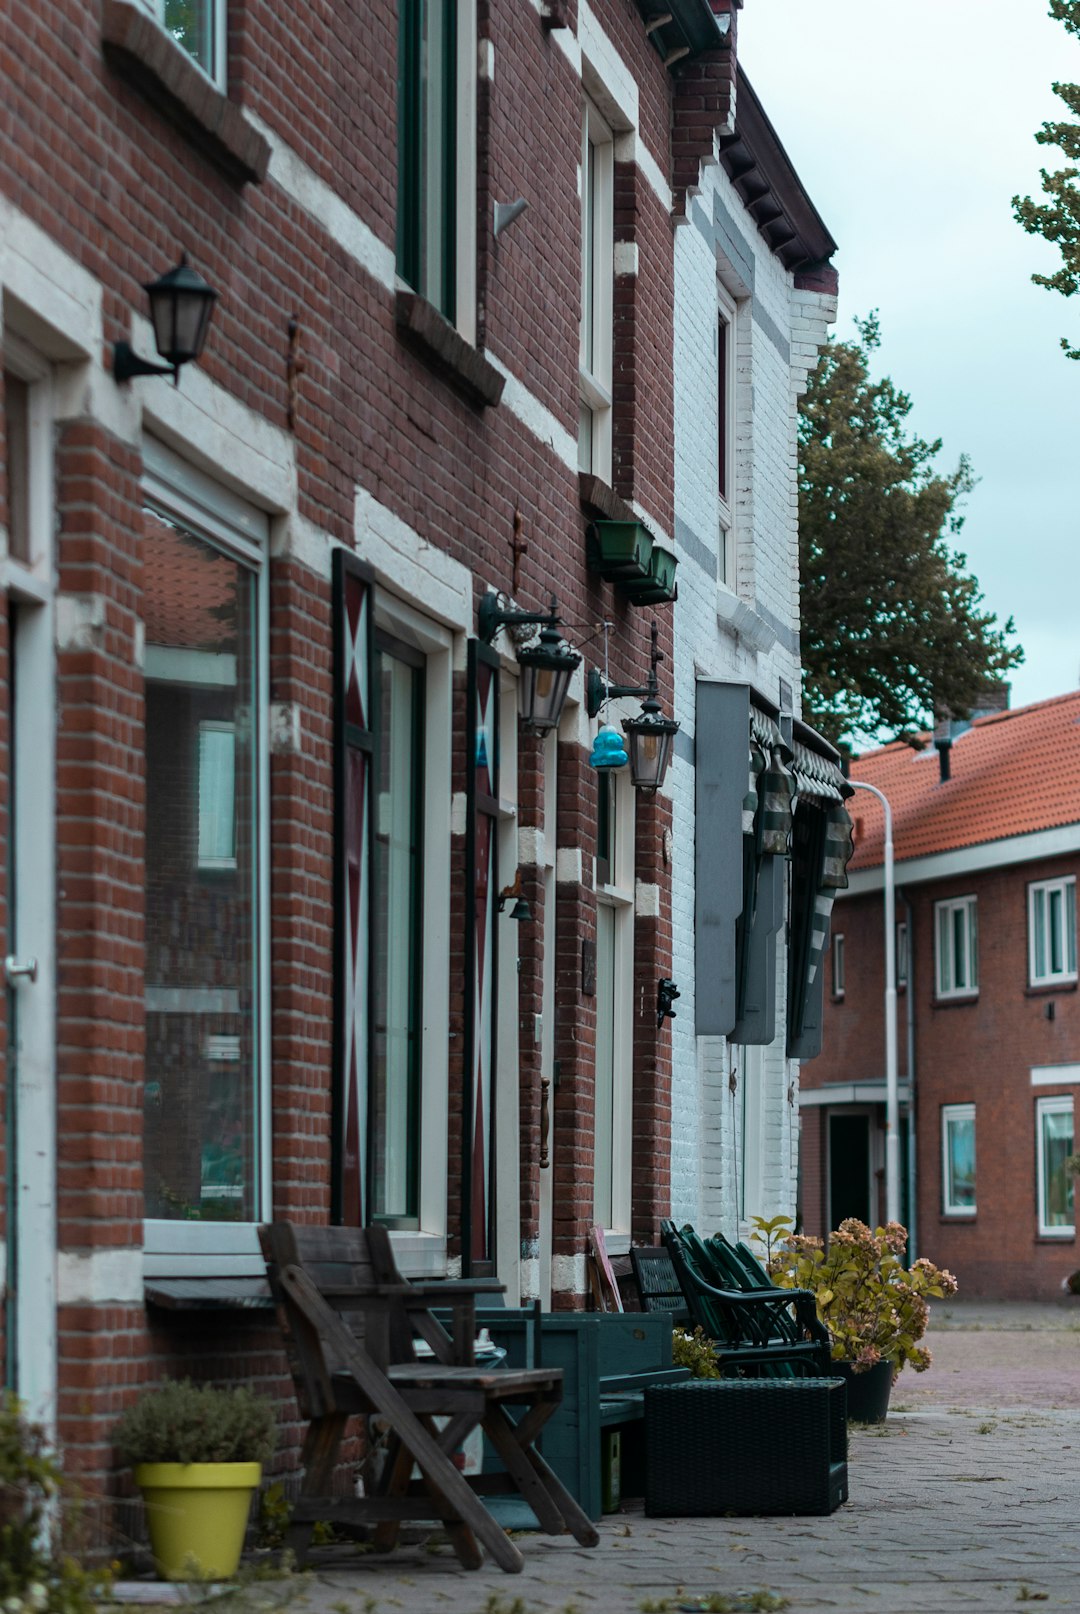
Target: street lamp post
<point>892,1090</point>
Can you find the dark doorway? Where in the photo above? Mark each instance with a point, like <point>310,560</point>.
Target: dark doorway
<point>849,1168</point>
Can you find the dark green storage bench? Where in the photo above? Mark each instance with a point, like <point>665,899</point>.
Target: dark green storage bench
<point>608,1360</point>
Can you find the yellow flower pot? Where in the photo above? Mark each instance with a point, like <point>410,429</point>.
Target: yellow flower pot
<point>196,1514</point>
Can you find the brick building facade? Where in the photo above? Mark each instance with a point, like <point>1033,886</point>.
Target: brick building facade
<point>989,1043</point>
<point>267,803</point>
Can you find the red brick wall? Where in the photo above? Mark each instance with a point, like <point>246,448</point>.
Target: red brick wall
<point>979,1051</point>
<point>97,166</point>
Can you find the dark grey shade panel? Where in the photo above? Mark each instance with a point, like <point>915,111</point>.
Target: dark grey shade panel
<point>758,1023</point>
<point>721,751</point>
<point>806,1042</point>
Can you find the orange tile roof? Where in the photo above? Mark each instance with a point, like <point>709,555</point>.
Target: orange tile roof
<point>1013,773</point>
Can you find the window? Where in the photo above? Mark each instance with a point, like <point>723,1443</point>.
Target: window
<point>17,432</point>
<point>838,966</point>
<point>436,155</point>
<point>956,944</point>
<point>614,1005</point>
<point>1052,931</point>
<point>198,27</point>
<point>958,1159</point>
<point>725,398</point>
<point>205,1132</point>
<point>901,953</point>
<point>1053,1146</point>
<point>597,278</point>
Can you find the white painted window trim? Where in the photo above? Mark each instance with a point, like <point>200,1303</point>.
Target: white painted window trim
<point>219,37</point>
<point>508,1251</point>
<point>596,384</point>
<point>618,894</point>
<point>423,1249</point>
<point>950,1114</point>
<point>242,531</point>
<point>838,964</point>
<point>1058,1105</point>
<point>1066,885</point>
<point>969,905</point>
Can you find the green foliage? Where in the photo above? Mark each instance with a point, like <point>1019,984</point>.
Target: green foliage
<point>181,1422</point>
<point>875,1309</point>
<point>36,1575</point>
<point>1057,220</point>
<point>765,1232</point>
<point>694,1351</point>
<point>893,628</point>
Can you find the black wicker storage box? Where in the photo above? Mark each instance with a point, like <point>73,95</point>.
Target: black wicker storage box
<point>747,1446</point>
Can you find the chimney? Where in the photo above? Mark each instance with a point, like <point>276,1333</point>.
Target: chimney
<point>993,697</point>
<point>943,739</point>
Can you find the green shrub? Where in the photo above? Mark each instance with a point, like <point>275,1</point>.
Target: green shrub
<point>694,1351</point>
<point>183,1422</point>
<point>36,1576</point>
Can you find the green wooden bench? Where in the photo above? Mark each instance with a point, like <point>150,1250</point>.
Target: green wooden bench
<point>607,1359</point>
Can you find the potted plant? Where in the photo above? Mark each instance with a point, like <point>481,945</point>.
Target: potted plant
<point>197,1453</point>
<point>875,1308</point>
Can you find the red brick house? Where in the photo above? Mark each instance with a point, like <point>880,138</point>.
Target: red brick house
<point>987,846</point>
<point>270,813</point>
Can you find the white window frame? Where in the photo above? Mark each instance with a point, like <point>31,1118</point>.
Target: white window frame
<point>233,525</point>
<point>1059,1104</point>
<point>726,311</point>
<point>596,381</point>
<point>1065,887</point>
<point>944,979</point>
<point>838,964</point>
<point>952,1114</point>
<point>617,894</point>
<point>219,37</point>
<point>422,1250</point>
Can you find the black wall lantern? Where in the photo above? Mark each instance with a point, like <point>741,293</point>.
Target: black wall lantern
<point>650,736</point>
<point>546,667</point>
<point>181,304</point>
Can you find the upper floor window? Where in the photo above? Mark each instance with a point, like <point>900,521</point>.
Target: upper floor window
<point>1052,931</point>
<point>838,966</point>
<point>958,1159</point>
<point>956,948</point>
<point>597,280</point>
<point>1053,1146</point>
<point>902,953</point>
<point>436,155</point>
<point>725,401</point>
<point>198,27</point>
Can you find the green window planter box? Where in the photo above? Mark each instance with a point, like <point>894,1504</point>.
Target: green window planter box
<point>659,586</point>
<point>619,550</point>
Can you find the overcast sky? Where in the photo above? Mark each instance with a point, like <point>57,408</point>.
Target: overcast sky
<point>912,126</point>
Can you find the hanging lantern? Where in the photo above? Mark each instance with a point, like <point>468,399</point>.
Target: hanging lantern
<point>546,670</point>
<point>650,738</point>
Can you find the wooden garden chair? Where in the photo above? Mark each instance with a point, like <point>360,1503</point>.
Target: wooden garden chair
<point>351,1323</point>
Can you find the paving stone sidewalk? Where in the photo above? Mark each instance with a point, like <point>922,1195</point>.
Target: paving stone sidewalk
<point>968,1498</point>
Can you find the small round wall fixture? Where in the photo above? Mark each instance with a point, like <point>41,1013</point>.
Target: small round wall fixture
<point>181,306</point>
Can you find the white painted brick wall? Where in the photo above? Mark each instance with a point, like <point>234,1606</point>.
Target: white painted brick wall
<point>706,1162</point>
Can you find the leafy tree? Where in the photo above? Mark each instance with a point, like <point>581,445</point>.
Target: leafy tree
<point>1058,220</point>
<point>892,625</point>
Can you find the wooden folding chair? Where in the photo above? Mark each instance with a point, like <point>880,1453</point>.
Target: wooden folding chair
<point>350,1322</point>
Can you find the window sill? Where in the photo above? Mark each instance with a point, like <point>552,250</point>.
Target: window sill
<point>601,502</point>
<point>1066,1236</point>
<point>422,328</point>
<point>140,51</point>
<point>962,1000</point>
<point>1043,989</point>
